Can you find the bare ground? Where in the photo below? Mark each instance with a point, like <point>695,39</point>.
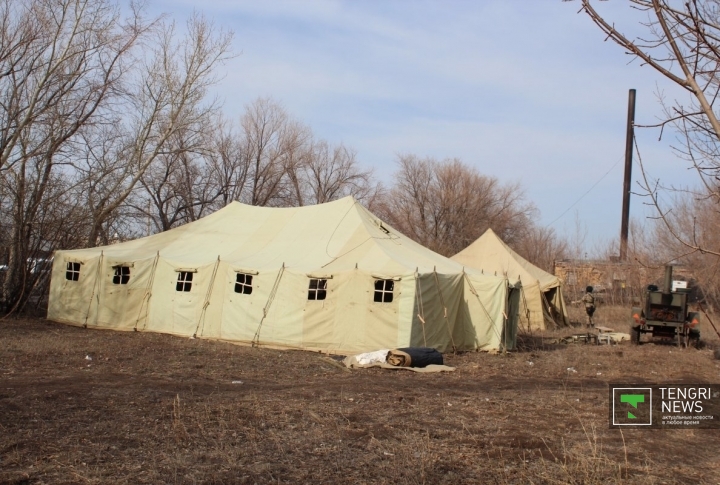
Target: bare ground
<point>153,408</point>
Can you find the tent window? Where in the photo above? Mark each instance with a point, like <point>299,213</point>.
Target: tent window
<point>122,275</point>
<point>317,289</point>
<point>384,291</point>
<point>184,281</point>
<point>72,271</point>
<point>243,283</point>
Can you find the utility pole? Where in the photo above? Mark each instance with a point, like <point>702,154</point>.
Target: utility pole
<point>629,138</point>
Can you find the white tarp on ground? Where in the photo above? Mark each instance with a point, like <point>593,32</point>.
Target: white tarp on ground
<point>330,277</point>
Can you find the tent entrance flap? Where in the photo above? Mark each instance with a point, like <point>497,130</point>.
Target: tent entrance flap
<point>509,337</point>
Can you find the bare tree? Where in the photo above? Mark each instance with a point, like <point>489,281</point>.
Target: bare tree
<point>84,112</point>
<point>272,144</point>
<point>228,168</point>
<point>269,159</point>
<point>682,43</point>
<point>60,63</point>
<point>181,185</point>
<point>279,163</point>
<point>325,173</point>
<point>167,99</point>
<point>446,205</point>
<point>698,220</point>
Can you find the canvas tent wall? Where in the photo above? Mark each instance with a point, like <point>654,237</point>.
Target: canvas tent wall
<point>331,277</point>
<point>542,303</point>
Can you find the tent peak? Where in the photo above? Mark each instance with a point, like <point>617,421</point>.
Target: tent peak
<point>347,200</point>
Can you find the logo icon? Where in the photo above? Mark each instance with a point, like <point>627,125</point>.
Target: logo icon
<point>633,400</point>
<point>631,406</point>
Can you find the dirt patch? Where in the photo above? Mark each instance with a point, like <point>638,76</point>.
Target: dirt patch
<point>90,406</point>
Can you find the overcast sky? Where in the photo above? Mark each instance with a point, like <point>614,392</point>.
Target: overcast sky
<point>526,91</point>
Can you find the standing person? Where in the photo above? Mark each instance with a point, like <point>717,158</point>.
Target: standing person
<point>589,301</point>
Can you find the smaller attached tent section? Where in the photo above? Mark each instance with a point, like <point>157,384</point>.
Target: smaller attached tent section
<point>542,304</point>
<point>330,277</point>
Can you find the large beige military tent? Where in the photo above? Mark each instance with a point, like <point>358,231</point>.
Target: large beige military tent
<point>330,277</point>
<point>542,303</point>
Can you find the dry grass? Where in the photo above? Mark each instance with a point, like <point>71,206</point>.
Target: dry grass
<point>156,409</point>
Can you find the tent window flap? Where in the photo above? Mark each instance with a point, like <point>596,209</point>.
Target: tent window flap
<point>384,291</point>
<point>243,283</point>
<point>317,289</point>
<point>72,271</point>
<point>122,275</point>
<point>184,281</point>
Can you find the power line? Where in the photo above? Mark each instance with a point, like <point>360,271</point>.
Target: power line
<point>586,193</point>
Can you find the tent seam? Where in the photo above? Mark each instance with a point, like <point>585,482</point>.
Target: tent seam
<point>148,293</point>
<point>208,295</point>
<point>487,314</point>
<point>92,295</point>
<point>445,315</point>
<point>256,338</point>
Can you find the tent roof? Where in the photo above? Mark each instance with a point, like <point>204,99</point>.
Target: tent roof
<point>334,236</point>
<point>490,254</point>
